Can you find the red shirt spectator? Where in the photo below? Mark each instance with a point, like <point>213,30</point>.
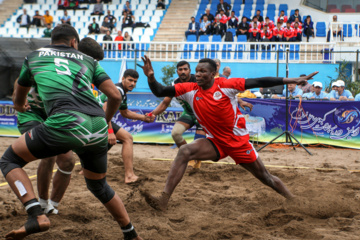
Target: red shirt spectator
<point>265,33</point>
<point>258,25</point>
<point>269,23</point>
<point>297,30</point>
<point>293,25</point>
<point>282,14</point>
<point>289,32</point>
<point>278,31</point>
<point>119,38</point>
<point>254,30</point>
<point>223,17</point>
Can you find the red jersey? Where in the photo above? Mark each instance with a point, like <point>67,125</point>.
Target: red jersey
<point>278,31</point>
<point>293,25</point>
<point>270,25</point>
<point>119,38</point>
<point>268,34</point>
<point>216,109</point>
<point>289,32</point>
<point>296,31</point>
<point>285,19</point>
<point>258,24</point>
<point>254,31</point>
<point>223,18</point>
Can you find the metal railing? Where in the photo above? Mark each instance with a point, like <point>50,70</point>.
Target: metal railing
<point>344,31</point>
<point>270,52</point>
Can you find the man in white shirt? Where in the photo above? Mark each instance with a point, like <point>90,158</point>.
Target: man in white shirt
<point>24,19</point>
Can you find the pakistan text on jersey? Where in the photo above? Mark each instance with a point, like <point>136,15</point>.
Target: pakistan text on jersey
<point>49,52</point>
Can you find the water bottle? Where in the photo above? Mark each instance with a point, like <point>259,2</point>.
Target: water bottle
<point>336,95</point>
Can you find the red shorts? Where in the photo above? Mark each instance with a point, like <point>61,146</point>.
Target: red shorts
<point>245,153</point>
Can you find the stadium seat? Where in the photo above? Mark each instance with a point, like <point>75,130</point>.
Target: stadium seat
<point>203,38</point>
<point>145,19</point>
<point>347,30</point>
<point>127,29</point>
<point>242,38</point>
<point>320,29</point>
<point>331,6</point>
<point>216,38</point>
<point>265,55</point>
<point>335,10</point>
<point>232,30</point>
<point>283,7</point>
<point>226,51</point>
<point>155,19</point>
<point>151,7</point>
<point>191,38</point>
<point>141,7</point>
<point>159,13</point>
<point>294,52</point>
<point>187,51</point>
<point>350,10</point>
<point>200,51</point>
<point>239,51</point>
<point>138,31</point>
<point>344,7</point>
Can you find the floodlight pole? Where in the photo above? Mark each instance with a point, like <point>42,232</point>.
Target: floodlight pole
<point>288,135</point>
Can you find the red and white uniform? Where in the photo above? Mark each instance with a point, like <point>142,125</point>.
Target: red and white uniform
<point>268,34</point>
<point>223,18</point>
<point>289,32</point>
<point>277,31</point>
<point>293,25</point>
<point>254,31</point>
<point>270,25</point>
<point>258,25</point>
<point>216,110</point>
<point>285,19</point>
<point>296,31</point>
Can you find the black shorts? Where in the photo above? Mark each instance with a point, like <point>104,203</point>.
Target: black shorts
<point>115,127</point>
<point>23,128</point>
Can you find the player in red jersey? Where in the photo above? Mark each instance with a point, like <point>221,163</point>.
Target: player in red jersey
<point>269,23</point>
<point>215,106</point>
<point>288,33</point>
<point>254,32</point>
<point>266,34</point>
<point>298,23</point>
<point>297,33</point>
<point>278,33</point>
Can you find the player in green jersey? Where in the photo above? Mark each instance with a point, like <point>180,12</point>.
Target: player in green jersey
<point>36,115</point>
<point>75,122</point>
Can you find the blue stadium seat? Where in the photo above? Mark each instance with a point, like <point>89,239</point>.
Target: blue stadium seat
<point>259,7</point>
<point>200,51</point>
<point>253,54</point>
<point>247,14</point>
<point>249,2</point>
<point>203,38</point>
<point>347,30</point>
<point>292,12</point>
<point>283,7</point>
<point>187,51</point>
<point>232,30</point>
<point>226,51</point>
<point>236,9</point>
<point>242,38</point>
<point>265,55</point>
<point>357,32</point>
<point>239,51</point>
<point>216,38</point>
<point>294,52</point>
<point>191,38</point>
<point>304,18</point>
<point>260,2</point>
<point>320,29</point>
<point>271,7</point>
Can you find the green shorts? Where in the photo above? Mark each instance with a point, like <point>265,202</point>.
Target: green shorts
<point>189,119</point>
<point>85,135</point>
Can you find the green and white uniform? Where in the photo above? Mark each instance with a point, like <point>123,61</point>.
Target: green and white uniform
<point>188,115</point>
<point>75,120</point>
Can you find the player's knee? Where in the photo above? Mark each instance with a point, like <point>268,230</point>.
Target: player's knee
<point>267,179</point>
<point>184,152</point>
<point>177,133</point>
<point>10,160</point>
<point>100,189</point>
<point>66,163</point>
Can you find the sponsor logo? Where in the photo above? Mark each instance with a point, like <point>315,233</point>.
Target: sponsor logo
<point>249,151</point>
<point>347,117</point>
<point>217,95</point>
<point>198,98</point>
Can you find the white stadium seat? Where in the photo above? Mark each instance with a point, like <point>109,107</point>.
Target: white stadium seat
<point>159,13</point>
<point>145,19</point>
<point>145,38</point>
<point>149,31</point>
<point>138,31</point>
<point>141,7</point>
<point>127,29</point>
<point>155,19</point>
<point>151,7</point>
<point>148,13</point>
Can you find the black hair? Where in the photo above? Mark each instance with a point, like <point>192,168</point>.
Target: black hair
<point>211,62</point>
<point>233,11</point>
<point>258,10</point>
<point>282,11</point>
<point>182,63</point>
<point>92,48</point>
<point>267,18</point>
<point>131,73</point>
<point>64,33</point>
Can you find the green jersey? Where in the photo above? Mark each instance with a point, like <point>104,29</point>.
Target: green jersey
<point>123,106</point>
<point>63,77</point>
<point>186,106</point>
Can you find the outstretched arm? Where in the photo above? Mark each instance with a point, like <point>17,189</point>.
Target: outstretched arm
<point>156,88</point>
<point>274,81</point>
<point>162,106</point>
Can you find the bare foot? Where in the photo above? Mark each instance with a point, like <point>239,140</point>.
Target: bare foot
<point>131,179</point>
<point>197,164</point>
<point>191,163</point>
<point>21,233</point>
<point>158,203</point>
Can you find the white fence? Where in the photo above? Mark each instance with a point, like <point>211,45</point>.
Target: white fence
<point>234,52</point>
<point>344,31</point>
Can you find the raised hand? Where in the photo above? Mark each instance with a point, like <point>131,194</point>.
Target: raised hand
<point>147,68</point>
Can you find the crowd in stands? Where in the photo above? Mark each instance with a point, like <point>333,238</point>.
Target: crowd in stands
<point>256,29</point>
<point>108,25</point>
<point>315,92</point>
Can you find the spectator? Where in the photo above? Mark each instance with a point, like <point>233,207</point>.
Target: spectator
<point>340,93</point>
<point>205,27</point>
<point>37,19</point>
<point>294,16</point>
<point>160,4</point>
<point>293,92</point>
<point>233,21</point>
<point>193,28</point>
<point>107,37</point>
<point>306,88</point>
<point>24,19</point>
<point>357,97</point>
<point>283,23</point>
<point>226,72</point>
<point>317,93</point>
<point>106,26</point>
<point>222,16</point>
<point>308,28</point>
<point>297,33</point>
<point>73,4</point>
<point>269,23</point>
<point>255,20</point>
<point>94,27</point>
<point>128,38</point>
<point>128,20</point>
<point>210,17</point>
<point>223,6</point>
<point>119,38</point>
<point>282,15</point>
<point>288,33</point>
<point>333,86</point>
<point>266,34</point>
<point>243,27</point>
<point>218,27</point>
<point>298,22</point>
<point>218,65</point>
<point>258,16</point>
<point>336,29</point>
<point>61,4</point>
<point>111,17</point>
<point>47,18</point>
<point>127,8</point>
<point>254,32</point>
<point>66,18</point>
<point>47,31</point>
<point>278,33</point>
<point>98,9</point>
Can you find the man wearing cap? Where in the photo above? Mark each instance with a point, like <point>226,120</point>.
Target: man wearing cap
<point>294,16</point>
<point>306,87</point>
<point>193,28</point>
<point>293,91</point>
<point>357,97</point>
<point>282,15</point>
<point>317,94</point>
<point>340,93</point>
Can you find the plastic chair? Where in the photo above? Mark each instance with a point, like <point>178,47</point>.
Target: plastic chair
<point>203,38</point>
<point>320,29</point>
<point>242,38</point>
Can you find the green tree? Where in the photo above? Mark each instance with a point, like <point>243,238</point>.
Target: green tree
<point>168,73</point>
<point>353,87</point>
